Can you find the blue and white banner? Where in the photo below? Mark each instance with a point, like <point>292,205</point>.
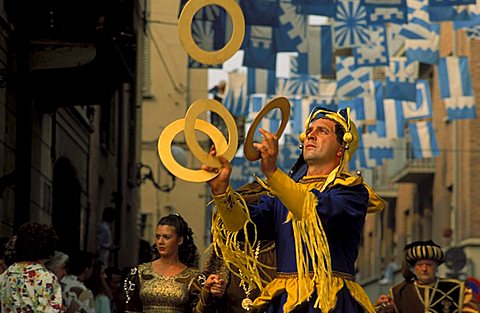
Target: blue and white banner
<point>450,2</point>
<point>419,26</point>
<point>422,107</point>
<point>236,94</point>
<point>378,98</point>
<point>320,50</point>
<point>424,50</point>
<point>261,12</point>
<point>357,107</point>
<point>448,13</point>
<point>375,52</point>
<point>456,87</point>
<point>257,102</point>
<point>350,26</point>
<point>291,33</point>
<point>260,81</point>
<point>359,158</point>
<point>378,148</point>
<point>472,24</point>
<point>259,49</point>
<point>210,36</point>
<point>380,12</point>
<point>299,63</point>
<point>289,152</point>
<point>303,85</point>
<point>242,171</point>
<point>423,140</point>
<point>394,120</point>
<point>400,79</point>
<point>395,41</point>
<point>316,7</point>
<point>352,81</point>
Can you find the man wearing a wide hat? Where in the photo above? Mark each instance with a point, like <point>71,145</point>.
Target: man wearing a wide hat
<point>422,291</point>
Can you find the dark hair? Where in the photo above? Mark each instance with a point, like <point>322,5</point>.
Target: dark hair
<point>35,242</point>
<point>187,252</point>
<point>78,262</point>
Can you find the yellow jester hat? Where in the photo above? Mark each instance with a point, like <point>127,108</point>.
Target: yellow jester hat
<point>350,145</point>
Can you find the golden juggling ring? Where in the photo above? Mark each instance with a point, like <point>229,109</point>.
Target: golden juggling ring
<point>193,111</point>
<point>189,44</point>
<point>282,103</point>
<point>166,156</point>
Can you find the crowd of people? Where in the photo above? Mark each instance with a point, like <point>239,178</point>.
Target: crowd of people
<point>279,245</point>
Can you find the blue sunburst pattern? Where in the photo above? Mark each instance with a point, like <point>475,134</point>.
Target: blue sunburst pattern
<point>303,85</point>
<point>350,25</point>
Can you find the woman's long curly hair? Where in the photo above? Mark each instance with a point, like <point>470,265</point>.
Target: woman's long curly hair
<point>35,242</point>
<point>187,251</point>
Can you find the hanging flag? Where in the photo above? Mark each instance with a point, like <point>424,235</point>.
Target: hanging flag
<point>282,87</point>
<point>378,148</point>
<point>448,13</point>
<point>291,33</point>
<point>423,140</point>
<point>316,7</point>
<point>259,49</point>
<point>327,88</point>
<point>303,85</point>
<point>208,31</point>
<point>400,79</point>
<point>472,22</point>
<point>395,41</point>
<point>260,81</point>
<point>422,107</point>
<point>242,171</point>
<point>386,11</point>
<point>299,63</point>
<point>260,12</point>
<point>352,81</point>
<point>288,152</point>
<point>473,33</point>
<point>394,121</point>
<point>424,50</point>
<point>450,2</point>
<point>320,50</point>
<point>359,159</point>
<point>236,94</point>
<point>350,25</point>
<point>375,52</point>
<point>456,88</point>
<point>378,94</point>
<point>357,107</point>
<point>257,102</point>
<point>419,26</point>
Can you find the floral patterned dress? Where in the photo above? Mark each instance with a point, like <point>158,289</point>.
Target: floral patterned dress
<point>30,287</point>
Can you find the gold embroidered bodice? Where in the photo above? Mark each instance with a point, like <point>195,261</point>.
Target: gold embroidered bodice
<point>165,294</point>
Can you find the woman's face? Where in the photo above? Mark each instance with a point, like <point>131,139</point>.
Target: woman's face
<point>167,241</point>
<point>60,271</point>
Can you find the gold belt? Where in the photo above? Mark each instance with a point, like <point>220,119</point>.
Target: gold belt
<point>342,275</point>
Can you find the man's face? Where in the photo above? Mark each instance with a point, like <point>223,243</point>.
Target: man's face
<point>320,145</point>
<point>426,271</point>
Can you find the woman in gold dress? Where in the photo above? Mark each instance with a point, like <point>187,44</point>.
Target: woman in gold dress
<point>165,285</point>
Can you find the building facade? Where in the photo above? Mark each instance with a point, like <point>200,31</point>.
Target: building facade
<point>169,89</point>
<point>69,102</point>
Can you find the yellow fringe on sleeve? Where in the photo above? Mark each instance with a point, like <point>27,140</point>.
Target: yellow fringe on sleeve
<point>238,252</point>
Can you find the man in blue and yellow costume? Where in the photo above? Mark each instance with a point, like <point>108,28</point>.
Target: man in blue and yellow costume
<point>315,215</point>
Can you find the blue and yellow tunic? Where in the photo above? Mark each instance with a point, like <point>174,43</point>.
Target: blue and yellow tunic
<point>317,234</point>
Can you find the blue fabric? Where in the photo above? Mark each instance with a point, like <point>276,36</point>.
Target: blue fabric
<point>339,208</point>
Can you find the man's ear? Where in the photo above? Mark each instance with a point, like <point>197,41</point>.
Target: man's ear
<point>340,152</point>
